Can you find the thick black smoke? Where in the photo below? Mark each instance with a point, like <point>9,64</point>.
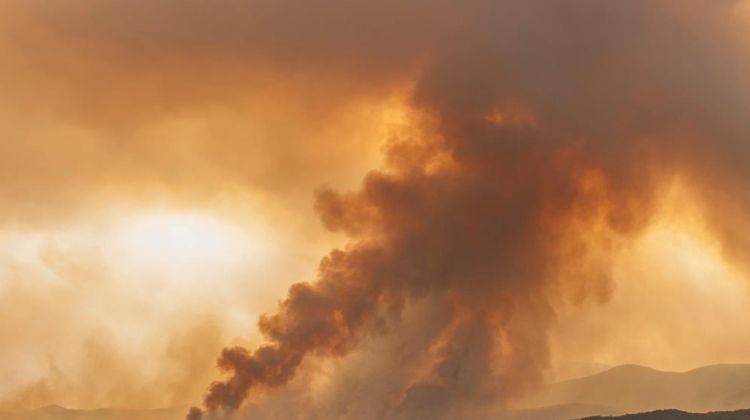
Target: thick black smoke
<point>547,127</point>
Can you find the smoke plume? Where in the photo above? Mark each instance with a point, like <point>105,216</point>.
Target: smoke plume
<point>544,130</point>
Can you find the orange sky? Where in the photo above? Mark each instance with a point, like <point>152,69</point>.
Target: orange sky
<point>158,169</point>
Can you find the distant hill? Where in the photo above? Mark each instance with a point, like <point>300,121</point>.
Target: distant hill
<point>54,412</point>
<point>620,390</point>
<point>680,415</point>
<point>562,411</point>
<point>632,388</point>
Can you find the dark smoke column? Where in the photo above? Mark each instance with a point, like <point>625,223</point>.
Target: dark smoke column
<point>548,126</point>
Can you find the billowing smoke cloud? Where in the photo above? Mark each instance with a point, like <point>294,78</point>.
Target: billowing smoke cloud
<point>546,130</point>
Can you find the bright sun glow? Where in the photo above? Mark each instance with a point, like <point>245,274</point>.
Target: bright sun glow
<point>182,243</point>
<point>695,256</point>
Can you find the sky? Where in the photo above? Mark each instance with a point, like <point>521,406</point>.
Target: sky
<point>535,190</point>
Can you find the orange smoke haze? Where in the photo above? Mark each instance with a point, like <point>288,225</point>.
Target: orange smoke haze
<point>505,193</point>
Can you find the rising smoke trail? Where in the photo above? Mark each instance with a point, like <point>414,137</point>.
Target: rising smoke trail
<point>546,130</point>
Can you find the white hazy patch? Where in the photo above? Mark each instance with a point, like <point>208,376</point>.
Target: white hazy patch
<point>186,249</point>
<point>96,311</point>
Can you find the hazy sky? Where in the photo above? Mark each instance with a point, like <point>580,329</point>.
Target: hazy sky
<point>159,163</point>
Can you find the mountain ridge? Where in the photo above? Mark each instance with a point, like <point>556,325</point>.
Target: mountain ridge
<point>715,389</point>
<point>635,388</point>
<point>678,415</point>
